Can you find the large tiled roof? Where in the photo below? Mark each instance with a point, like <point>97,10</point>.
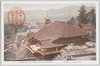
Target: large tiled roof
<point>59,29</point>
<point>70,40</point>
<point>30,35</point>
<point>48,44</point>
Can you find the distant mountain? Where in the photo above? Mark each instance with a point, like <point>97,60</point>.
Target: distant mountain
<point>62,14</point>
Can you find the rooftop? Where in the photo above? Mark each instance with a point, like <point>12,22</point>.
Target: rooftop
<point>88,27</point>
<point>48,44</point>
<point>59,29</point>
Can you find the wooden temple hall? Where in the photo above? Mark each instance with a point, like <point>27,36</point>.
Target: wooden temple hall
<point>54,36</point>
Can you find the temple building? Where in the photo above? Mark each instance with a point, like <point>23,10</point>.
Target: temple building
<point>53,37</point>
<point>47,19</point>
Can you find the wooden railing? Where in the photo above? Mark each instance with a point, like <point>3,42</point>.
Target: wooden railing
<point>30,49</point>
<point>49,50</point>
<point>41,52</point>
<point>47,53</point>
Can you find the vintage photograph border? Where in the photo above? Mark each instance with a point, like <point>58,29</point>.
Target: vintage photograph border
<point>49,62</point>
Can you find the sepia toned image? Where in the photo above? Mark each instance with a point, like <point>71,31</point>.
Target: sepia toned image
<point>50,32</point>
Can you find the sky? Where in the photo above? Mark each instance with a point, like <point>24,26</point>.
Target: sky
<point>37,6</point>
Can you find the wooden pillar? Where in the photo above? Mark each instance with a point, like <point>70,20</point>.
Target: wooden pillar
<point>44,51</point>
<point>52,50</point>
<point>56,48</point>
<point>47,50</point>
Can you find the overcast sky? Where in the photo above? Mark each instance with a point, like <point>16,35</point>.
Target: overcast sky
<point>7,7</point>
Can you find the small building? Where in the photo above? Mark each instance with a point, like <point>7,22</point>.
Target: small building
<point>47,21</point>
<point>53,37</point>
<point>88,27</point>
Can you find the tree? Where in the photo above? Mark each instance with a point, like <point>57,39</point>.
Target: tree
<point>9,55</point>
<point>92,17</point>
<point>92,35</point>
<point>82,15</point>
<point>68,51</point>
<point>71,21</point>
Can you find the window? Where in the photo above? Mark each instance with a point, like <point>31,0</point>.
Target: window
<point>59,48</point>
<point>50,49</point>
<point>46,50</point>
<point>54,49</point>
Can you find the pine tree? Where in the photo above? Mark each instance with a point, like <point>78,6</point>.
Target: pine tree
<point>71,21</point>
<point>92,17</point>
<point>82,15</point>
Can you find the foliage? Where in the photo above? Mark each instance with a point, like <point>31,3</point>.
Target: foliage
<point>92,35</point>
<point>70,50</point>
<point>8,31</point>
<point>91,17</point>
<point>9,55</point>
<point>84,17</point>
